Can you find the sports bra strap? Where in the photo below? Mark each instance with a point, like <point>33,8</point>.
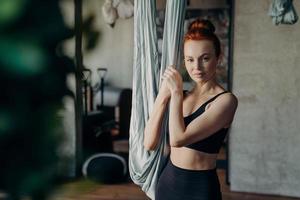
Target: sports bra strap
<point>201,107</point>
<point>210,100</point>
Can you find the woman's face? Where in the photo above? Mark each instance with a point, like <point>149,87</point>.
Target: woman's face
<point>200,59</point>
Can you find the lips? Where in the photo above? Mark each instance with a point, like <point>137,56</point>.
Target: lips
<point>198,73</point>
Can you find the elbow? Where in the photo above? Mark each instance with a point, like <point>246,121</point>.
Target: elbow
<point>176,143</point>
<point>178,140</point>
<point>148,144</point>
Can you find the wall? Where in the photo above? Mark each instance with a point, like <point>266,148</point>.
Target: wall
<point>264,138</point>
<point>114,48</point>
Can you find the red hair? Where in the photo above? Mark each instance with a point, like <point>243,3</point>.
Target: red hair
<point>201,29</point>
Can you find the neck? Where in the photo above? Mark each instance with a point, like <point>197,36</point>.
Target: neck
<point>207,87</point>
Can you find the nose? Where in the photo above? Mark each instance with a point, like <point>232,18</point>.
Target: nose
<point>198,64</point>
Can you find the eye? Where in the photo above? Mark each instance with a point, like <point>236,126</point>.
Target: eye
<point>206,59</point>
<point>189,60</point>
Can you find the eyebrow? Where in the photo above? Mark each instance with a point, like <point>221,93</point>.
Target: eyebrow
<point>199,56</point>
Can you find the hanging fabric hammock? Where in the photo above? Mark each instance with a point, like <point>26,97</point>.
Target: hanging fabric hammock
<point>145,166</point>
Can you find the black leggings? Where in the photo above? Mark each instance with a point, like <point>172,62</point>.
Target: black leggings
<point>182,184</point>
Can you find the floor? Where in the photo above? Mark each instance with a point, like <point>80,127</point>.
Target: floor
<point>88,190</point>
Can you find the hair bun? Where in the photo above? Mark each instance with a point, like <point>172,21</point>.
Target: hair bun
<point>202,25</point>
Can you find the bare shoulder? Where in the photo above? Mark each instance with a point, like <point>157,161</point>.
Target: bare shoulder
<point>224,106</point>
<point>230,97</point>
<point>227,99</point>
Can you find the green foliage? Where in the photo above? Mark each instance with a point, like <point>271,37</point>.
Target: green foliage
<point>10,11</point>
<point>32,84</point>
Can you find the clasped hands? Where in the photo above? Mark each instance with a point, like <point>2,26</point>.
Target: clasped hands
<point>171,82</point>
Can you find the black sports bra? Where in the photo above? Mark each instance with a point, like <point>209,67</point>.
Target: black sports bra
<point>213,143</point>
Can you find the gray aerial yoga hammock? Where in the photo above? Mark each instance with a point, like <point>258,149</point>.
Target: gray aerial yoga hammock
<point>145,166</point>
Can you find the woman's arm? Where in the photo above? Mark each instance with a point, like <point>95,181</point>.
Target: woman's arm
<point>218,115</point>
<point>153,125</point>
<point>176,123</point>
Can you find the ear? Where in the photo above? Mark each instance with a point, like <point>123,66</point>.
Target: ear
<point>219,61</point>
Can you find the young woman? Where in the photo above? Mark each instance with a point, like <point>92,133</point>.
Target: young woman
<point>198,120</point>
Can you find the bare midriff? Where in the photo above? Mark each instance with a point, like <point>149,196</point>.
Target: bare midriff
<point>192,159</point>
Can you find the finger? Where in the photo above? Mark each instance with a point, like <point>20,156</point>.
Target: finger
<point>164,76</point>
<point>168,70</point>
<point>168,73</point>
<point>173,69</point>
<point>167,76</point>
